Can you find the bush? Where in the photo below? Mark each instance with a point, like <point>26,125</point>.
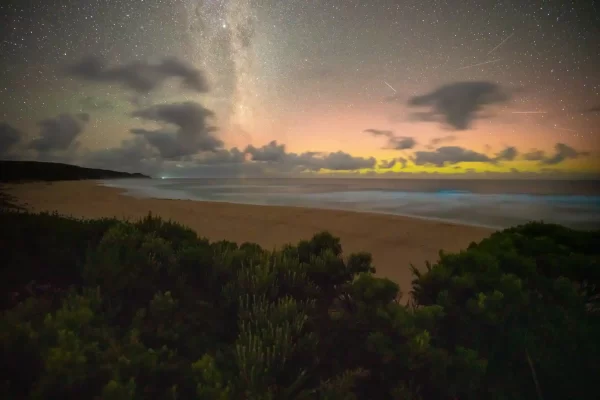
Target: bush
<point>143,310</point>
<point>526,300</point>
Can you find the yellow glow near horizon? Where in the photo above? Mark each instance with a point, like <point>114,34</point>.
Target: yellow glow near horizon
<point>584,166</point>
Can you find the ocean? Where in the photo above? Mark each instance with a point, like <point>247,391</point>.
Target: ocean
<point>490,203</point>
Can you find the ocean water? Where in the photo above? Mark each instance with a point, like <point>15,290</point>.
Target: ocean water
<point>491,203</point>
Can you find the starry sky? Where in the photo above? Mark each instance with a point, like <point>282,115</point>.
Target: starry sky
<point>252,87</point>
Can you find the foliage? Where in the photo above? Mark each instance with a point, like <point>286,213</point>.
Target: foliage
<point>147,310</point>
<point>19,171</point>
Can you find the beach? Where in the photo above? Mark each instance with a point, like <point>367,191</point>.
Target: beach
<point>394,241</point>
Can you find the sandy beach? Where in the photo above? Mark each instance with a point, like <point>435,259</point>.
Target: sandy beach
<point>394,241</point>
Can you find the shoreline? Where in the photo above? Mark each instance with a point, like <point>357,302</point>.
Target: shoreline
<point>470,208</point>
<point>490,186</point>
<point>394,241</point>
<point>129,193</point>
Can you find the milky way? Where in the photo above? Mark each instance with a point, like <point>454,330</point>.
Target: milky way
<point>219,39</point>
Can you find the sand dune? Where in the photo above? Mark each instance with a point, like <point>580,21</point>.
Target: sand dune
<point>394,241</point>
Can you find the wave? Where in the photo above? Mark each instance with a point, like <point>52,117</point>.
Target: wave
<point>492,210</point>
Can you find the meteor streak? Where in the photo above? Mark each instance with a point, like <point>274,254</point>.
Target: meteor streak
<point>390,86</point>
<point>483,63</point>
<point>501,43</point>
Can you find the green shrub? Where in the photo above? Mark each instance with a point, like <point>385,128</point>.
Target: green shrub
<point>147,310</point>
<point>525,299</point>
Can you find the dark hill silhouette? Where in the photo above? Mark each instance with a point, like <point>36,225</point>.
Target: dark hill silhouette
<point>19,171</point>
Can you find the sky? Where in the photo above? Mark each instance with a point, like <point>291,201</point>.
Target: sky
<point>391,88</point>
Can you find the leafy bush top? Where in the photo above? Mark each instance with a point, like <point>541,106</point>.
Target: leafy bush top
<point>110,309</point>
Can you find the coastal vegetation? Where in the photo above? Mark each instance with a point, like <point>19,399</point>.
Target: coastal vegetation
<point>21,171</point>
<point>108,309</point>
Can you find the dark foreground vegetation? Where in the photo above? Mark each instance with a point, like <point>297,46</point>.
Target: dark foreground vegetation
<point>20,171</point>
<point>102,309</point>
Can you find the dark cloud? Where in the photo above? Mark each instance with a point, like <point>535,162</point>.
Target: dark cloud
<point>562,152</point>
<point>402,143</point>
<point>379,132</point>
<point>508,154</point>
<point>220,157</point>
<point>439,140</point>
<point>534,155</point>
<point>458,103</point>
<point>271,152</point>
<point>394,142</point>
<point>140,76</point>
<point>455,154</point>
<point>340,161</point>
<point>194,134</point>
<point>59,133</point>
<point>448,155</point>
<point>388,164</point>
<point>276,154</point>
<point>9,137</point>
<point>91,103</point>
<point>402,161</point>
<point>132,156</point>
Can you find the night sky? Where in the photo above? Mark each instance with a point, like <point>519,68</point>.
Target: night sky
<point>249,87</point>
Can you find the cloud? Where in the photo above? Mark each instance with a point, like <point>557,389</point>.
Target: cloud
<point>439,140</point>
<point>275,154</point>
<point>379,132</point>
<point>9,137</point>
<point>59,133</point>
<point>91,103</point>
<point>194,134</point>
<point>562,153</point>
<point>508,154</point>
<point>534,155</point>
<point>388,164</point>
<point>457,103</point>
<point>222,156</point>
<point>271,152</point>
<point>341,161</point>
<point>402,143</point>
<point>134,155</point>
<point>140,76</point>
<point>394,142</point>
<point>448,155</point>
